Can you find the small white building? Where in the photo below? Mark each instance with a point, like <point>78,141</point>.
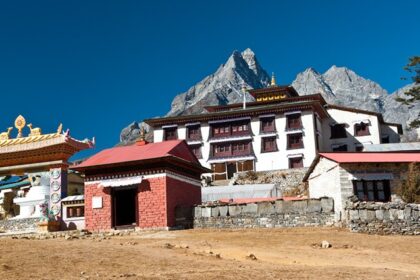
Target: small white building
<point>370,176</point>
<point>280,130</point>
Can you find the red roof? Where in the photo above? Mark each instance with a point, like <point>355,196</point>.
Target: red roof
<point>371,157</point>
<point>136,152</point>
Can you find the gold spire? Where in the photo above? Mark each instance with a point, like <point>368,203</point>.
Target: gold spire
<point>273,80</point>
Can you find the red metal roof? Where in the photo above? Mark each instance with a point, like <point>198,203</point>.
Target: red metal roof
<point>136,152</point>
<point>371,157</point>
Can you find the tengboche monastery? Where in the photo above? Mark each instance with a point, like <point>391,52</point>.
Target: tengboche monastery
<point>154,185</point>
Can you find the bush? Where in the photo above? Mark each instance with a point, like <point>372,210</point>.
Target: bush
<point>409,190</point>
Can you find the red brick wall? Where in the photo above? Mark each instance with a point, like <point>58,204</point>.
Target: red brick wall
<point>98,219</point>
<point>180,194</point>
<point>152,203</point>
<point>157,199</point>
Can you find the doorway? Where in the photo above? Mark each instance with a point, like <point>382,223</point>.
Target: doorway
<point>124,204</point>
<point>231,169</point>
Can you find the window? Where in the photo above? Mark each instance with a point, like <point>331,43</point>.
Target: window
<point>372,190</point>
<point>385,139</point>
<point>222,149</point>
<point>267,125</point>
<point>361,129</point>
<point>338,131</point>
<point>339,148</point>
<point>296,162</point>
<point>293,121</point>
<point>196,149</point>
<point>295,141</point>
<point>268,144</point>
<point>75,211</point>
<point>193,132</point>
<point>170,133</point>
<point>240,128</point>
<point>220,131</point>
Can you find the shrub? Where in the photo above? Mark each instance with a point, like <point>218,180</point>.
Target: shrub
<point>409,189</point>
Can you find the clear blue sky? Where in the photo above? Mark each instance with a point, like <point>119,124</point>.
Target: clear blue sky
<point>96,66</point>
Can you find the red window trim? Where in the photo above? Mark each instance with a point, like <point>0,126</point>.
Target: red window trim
<point>298,124</point>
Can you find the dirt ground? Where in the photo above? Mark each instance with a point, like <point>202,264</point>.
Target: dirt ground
<point>213,254</point>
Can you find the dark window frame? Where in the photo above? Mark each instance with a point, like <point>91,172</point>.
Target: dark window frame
<point>271,149</point>
<point>294,121</point>
<point>338,131</point>
<point>294,145</point>
<point>196,136</point>
<point>264,128</point>
<point>291,164</point>
<point>169,130</point>
<point>361,129</point>
<point>385,185</point>
<point>193,148</point>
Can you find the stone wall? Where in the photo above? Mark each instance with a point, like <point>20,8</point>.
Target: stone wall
<point>383,218</point>
<point>269,214</point>
<point>16,225</point>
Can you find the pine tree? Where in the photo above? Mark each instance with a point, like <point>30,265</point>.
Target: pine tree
<point>412,96</point>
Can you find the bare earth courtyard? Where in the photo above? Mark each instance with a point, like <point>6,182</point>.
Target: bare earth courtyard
<point>213,254</point>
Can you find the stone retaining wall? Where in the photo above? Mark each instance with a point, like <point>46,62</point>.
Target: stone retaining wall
<point>17,225</point>
<point>272,214</point>
<point>383,218</point>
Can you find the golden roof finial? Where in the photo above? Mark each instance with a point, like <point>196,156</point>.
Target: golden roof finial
<point>273,80</point>
<point>142,136</point>
<point>20,123</point>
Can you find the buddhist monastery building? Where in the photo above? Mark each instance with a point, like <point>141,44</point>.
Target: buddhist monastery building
<point>145,185</point>
<point>279,130</point>
<point>34,178</point>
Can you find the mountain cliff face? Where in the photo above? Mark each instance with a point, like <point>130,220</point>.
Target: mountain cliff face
<point>338,85</point>
<point>224,86</point>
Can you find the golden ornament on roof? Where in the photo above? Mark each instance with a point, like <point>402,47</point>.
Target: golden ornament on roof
<point>20,123</point>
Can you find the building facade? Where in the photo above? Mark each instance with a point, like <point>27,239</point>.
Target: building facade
<point>142,185</point>
<point>280,130</point>
<point>370,176</point>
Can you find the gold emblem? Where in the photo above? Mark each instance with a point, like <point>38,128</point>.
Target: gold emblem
<point>20,123</point>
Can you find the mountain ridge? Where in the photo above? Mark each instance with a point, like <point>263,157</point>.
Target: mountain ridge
<point>338,85</point>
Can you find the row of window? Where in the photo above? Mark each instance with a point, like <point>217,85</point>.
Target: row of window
<point>267,124</point>
<point>268,144</point>
<point>339,130</point>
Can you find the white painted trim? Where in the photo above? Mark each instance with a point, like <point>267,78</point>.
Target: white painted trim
<point>169,126</point>
<point>262,135</point>
<point>293,131</point>
<point>295,156</point>
<point>196,142</point>
<point>267,116</point>
<point>292,113</point>
<point>191,124</point>
<point>170,174</point>
<point>230,159</point>
<point>230,120</point>
<point>228,139</point>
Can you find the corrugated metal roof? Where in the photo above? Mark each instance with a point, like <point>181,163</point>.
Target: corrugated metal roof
<point>135,152</point>
<point>393,147</point>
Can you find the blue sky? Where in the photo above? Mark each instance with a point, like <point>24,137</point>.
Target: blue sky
<point>96,66</point>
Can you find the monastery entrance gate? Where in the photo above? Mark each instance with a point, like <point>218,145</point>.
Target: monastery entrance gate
<point>41,163</point>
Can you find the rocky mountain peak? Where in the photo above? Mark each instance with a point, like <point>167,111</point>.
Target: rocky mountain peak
<point>224,86</point>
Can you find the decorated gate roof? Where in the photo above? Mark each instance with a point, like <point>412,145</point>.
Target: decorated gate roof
<point>36,147</point>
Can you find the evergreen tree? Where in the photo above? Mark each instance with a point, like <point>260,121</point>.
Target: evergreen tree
<point>412,96</point>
